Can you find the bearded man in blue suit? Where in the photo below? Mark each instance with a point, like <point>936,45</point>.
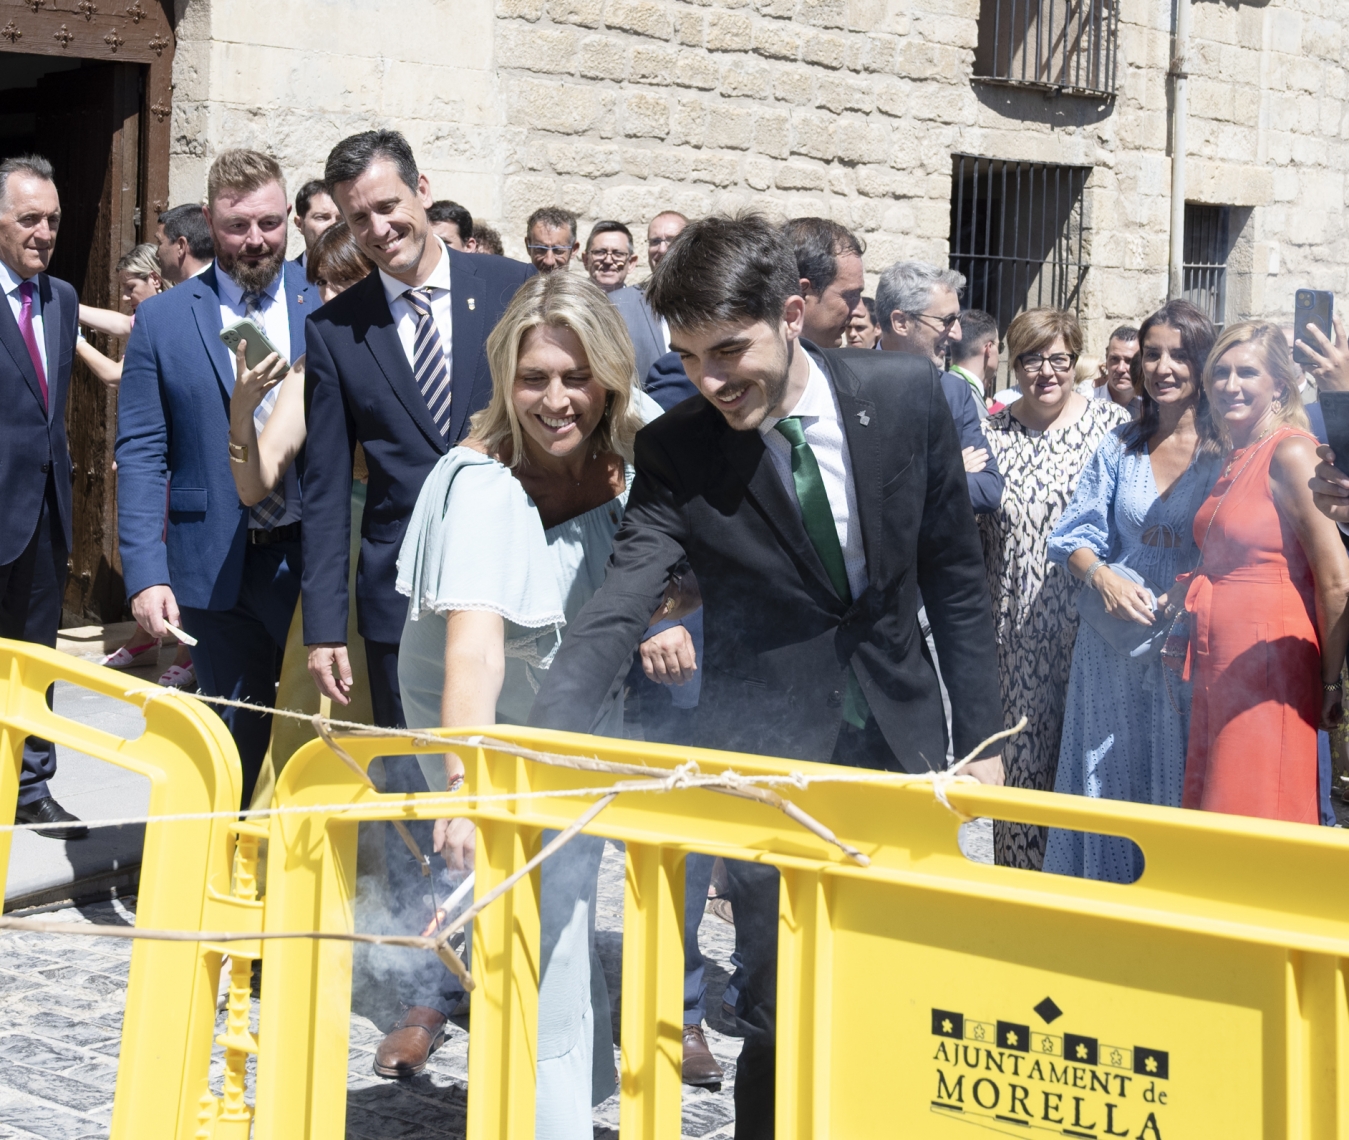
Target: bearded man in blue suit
<point>227,574</point>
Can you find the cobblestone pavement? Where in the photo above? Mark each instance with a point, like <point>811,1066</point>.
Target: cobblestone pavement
<point>61,1001</point>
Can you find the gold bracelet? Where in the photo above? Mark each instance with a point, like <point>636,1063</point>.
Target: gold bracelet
<point>238,452</point>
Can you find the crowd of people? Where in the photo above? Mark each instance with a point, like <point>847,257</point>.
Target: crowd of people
<point>739,505</point>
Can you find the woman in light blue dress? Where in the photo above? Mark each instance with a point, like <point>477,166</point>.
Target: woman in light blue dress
<point>1126,722</point>
<point>509,539</point>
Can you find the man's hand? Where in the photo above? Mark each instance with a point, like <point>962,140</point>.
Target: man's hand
<point>330,667</point>
<point>154,606</point>
<point>989,771</point>
<point>1330,487</point>
<point>456,840</point>
<point>1330,361</point>
<point>668,657</point>
<point>976,459</point>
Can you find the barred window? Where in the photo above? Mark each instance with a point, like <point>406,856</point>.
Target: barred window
<point>1068,45</point>
<point>1017,234</point>
<point>1207,247</point>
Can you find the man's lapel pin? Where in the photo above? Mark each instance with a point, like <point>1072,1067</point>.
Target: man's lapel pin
<point>863,418</point>
<point>472,304</point>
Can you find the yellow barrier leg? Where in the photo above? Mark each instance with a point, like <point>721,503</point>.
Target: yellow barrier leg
<point>805,964</point>
<point>305,1016</point>
<point>505,1010</point>
<point>653,994</point>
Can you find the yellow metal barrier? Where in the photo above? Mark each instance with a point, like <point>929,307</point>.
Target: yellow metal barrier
<point>192,766</point>
<point>923,996</point>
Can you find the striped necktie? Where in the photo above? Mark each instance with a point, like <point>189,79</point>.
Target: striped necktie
<point>430,368</point>
<point>272,509</point>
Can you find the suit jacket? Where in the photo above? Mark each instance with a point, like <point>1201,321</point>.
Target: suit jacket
<point>986,485</point>
<point>32,438</point>
<point>643,327</point>
<point>359,388</point>
<point>778,638</point>
<point>667,383</point>
<point>172,434</point>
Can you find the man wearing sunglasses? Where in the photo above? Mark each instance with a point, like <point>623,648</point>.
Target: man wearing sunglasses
<point>550,238</point>
<point>918,308</point>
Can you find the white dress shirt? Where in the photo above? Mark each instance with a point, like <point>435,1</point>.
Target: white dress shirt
<point>9,284</point>
<point>823,426</point>
<point>273,316</point>
<point>405,316</point>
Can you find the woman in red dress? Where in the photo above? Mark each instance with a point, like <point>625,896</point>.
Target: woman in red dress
<point>1267,604</point>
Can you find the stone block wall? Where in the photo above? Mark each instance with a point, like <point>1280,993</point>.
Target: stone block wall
<point>850,109</point>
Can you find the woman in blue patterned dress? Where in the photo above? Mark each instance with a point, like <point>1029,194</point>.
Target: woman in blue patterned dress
<point>1127,720</point>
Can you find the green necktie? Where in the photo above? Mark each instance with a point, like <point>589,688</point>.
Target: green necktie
<point>818,517</point>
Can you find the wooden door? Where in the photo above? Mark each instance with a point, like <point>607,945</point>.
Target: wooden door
<point>89,126</point>
<point>106,128</point>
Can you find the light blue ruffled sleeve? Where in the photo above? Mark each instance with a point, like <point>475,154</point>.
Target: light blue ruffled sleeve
<point>1087,519</point>
<point>475,542</point>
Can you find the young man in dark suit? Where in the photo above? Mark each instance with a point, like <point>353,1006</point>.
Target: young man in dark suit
<point>814,493</point>
<point>397,363</point>
<point>37,347</point>
<point>227,574</point>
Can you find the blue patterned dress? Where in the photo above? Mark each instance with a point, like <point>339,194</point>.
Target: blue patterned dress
<point>1126,724</point>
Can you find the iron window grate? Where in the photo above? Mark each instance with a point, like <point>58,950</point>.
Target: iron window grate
<point>1204,269</point>
<point>1017,231</point>
<point>1067,45</point>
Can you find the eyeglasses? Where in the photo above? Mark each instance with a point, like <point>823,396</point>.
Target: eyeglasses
<point>555,250</point>
<point>1059,361</point>
<point>618,257</point>
<point>657,242</point>
<point>945,322</point>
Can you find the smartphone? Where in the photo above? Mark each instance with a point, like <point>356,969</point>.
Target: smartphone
<point>1312,307</point>
<point>1335,409</point>
<point>258,347</point>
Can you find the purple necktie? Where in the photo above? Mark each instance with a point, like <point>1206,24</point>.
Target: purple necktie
<point>26,291</point>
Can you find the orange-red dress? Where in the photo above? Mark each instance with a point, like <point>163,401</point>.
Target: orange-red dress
<point>1254,651</point>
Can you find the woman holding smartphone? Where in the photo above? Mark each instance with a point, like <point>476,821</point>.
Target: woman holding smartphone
<point>258,460</point>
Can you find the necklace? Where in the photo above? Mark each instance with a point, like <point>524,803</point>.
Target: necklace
<point>1236,451</point>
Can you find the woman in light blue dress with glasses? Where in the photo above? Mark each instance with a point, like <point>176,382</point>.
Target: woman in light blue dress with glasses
<point>1126,722</point>
<point>509,539</point>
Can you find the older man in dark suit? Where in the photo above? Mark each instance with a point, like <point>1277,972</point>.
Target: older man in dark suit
<point>37,346</point>
<point>397,363</point>
<point>814,493</point>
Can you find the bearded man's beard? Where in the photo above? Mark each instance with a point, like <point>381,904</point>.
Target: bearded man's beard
<point>257,275</point>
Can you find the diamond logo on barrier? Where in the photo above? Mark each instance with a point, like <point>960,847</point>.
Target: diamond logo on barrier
<point>1048,1011</point>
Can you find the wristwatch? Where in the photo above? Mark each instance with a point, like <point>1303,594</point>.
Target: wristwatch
<point>238,452</point>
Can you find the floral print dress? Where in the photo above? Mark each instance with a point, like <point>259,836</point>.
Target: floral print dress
<point>1034,600</point>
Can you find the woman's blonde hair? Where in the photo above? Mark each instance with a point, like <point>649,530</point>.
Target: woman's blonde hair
<point>1037,328</point>
<point>561,300</point>
<point>142,261</point>
<point>1278,361</point>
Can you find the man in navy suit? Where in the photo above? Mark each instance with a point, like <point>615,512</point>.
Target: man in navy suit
<point>37,346</point>
<point>228,574</point>
<point>397,363</point>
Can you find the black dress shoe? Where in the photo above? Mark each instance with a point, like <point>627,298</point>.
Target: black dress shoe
<point>47,810</point>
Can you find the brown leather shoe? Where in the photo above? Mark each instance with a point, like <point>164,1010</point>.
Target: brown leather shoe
<point>418,1034</point>
<point>700,1067</point>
